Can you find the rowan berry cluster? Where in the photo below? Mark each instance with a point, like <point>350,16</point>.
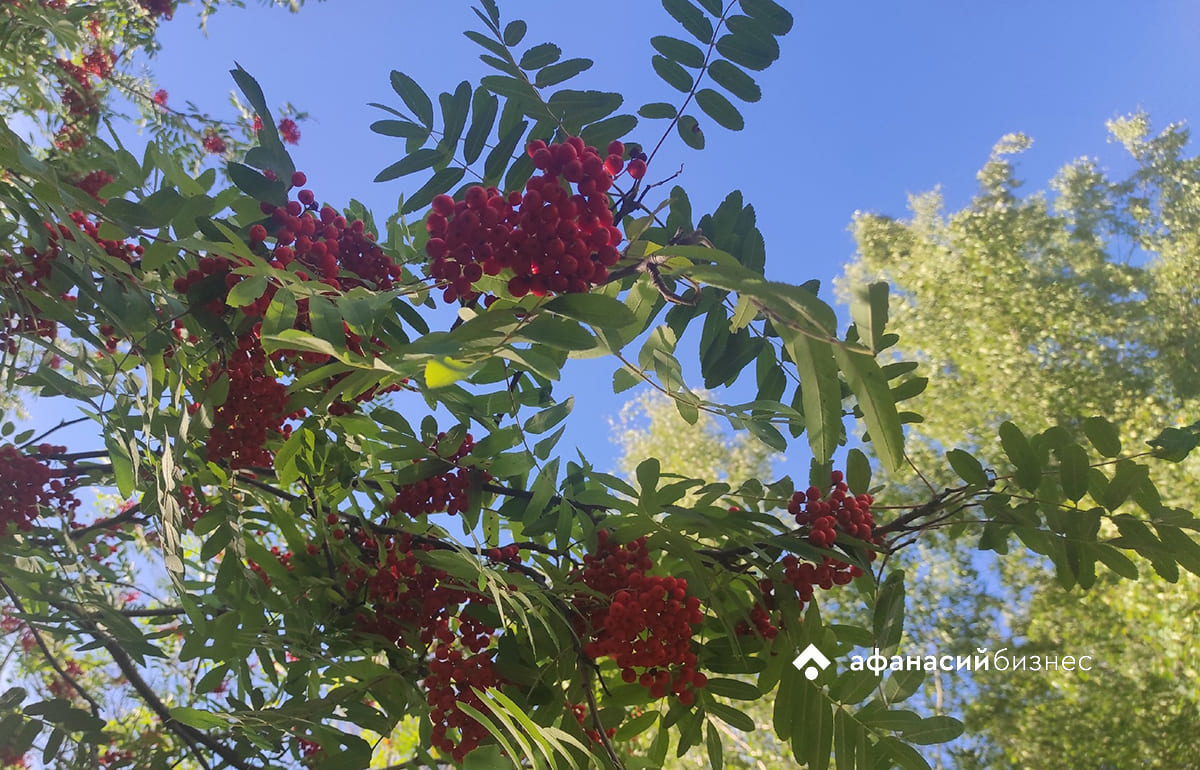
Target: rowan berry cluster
<point>551,241</point>
<point>93,183</point>
<point>643,622</point>
<point>825,517</point>
<point>213,142</point>
<point>326,247</point>
<point>446,492</point>
<point>411,604</point>
<point>28,484</point>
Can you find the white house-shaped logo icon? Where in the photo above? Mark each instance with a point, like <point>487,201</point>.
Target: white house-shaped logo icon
<point>811,661</point>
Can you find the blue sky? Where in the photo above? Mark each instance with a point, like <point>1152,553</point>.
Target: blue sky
<point>869,102</point>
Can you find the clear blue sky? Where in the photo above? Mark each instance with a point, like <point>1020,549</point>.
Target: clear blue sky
<point>869,101</point>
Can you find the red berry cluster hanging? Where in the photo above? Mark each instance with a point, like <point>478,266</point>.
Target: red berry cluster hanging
<point>552,241</point>
<point>417,606</point>
<point>824,517</point>
<point>644,622</point>
<point>317,243</point>
<point>446,492</point>
<point>28,484</point>
<point>34,271</point>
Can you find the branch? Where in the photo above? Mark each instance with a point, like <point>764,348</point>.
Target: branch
<point>49,656</point>
<point>193,737</point>
<point>128,515</point>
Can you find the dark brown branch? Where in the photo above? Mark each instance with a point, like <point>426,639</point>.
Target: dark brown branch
<point>49,656</point>
<point>62,424</point>
<point>193,737</point>
<point>124,517</point>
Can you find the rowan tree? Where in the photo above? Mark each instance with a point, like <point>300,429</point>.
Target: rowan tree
<point>339,445</point>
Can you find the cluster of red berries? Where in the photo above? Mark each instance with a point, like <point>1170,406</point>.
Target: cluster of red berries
<point>324,247</point>
<point>323,244</point>
<point>78,95</point>
<point>213,142</point>
<point>643,622</point>
<point>824,517</point>
<point>28,484</point>
<point>156,8</point>
<point>446,492</point>
<point>451,682</point>
<point>840,512</point>
<point>34,271</point>
<point>550,239</point>
<point>193,509</point>
<point>60,687</point>
<point>413,605</point>
<point>289,131</point>
<point>93,183</point>
<point>254,409</point>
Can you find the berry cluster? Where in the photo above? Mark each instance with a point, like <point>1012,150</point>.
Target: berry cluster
<point>841,512</point>
<point>93,183</point>
<point>33,272</point>
<point>413,605</point>
<point>643,622</point>
<point>28,484</point>
<point>824,517</point>
<point>550,239</point>
<point>213,142</point>
<point>323,246</point>
<point>79,98</point>
<point>444,492</point>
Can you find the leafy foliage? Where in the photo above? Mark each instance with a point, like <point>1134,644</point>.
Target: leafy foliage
<point>356,505</point>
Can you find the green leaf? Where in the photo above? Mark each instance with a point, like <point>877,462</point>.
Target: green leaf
<point>246,291</point>
<point>444,371</point>
<point>689,131</point>
<point>867,382</point>
<point>1174,444</point>
<point>201,720</point>
<point>1103,435</point>
<point>1127,479</point>
<point>888,620</point>
<point>773,16</point>
<point>936,729</point>
<point>514,33</point>
<point>678,50</point>
<point>1073,471</point>
<point>623,380</point>
<point>858,471</point>
<point>732,717</point>
<point>563,70</point>
<point>414,98</point>
<point>604,131</point>
<point>1117,561</point>
<point>579,108</point>
<point>1182,547</point>
<point>733,688</point>
<point>540,55</point>
<point>597,310</point>
<point>441,182</point>
<point>500,156</point>
<point>967,467</point>
<point>548,418</point>
<point>720,109</point>
<point>657,110</point>
<point>712,740</point>
<point>1020,452</point>
<point>692,18</point>
<point>417,161</point>
<point>903,755</point>
<point>401,128</point>
<point>255,184</point>
<point>483,116</point>
<point>734,80</point>
<point>749,45</point>
<point>454,117</point>
<point>673,73</point>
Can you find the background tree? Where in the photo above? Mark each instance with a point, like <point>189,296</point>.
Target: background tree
<point>1076,302</point>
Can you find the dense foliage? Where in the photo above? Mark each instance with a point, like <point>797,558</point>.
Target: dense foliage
<point>338,445</point>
